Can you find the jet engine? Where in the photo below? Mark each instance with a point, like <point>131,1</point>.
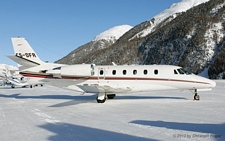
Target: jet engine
<point>83,70</point>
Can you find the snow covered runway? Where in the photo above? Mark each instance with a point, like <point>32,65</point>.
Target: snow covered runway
<point>49,113</point>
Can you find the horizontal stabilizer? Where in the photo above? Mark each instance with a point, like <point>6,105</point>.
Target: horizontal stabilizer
<point>23,61</point>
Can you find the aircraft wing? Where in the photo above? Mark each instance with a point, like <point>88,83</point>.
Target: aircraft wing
<point>104,88</point>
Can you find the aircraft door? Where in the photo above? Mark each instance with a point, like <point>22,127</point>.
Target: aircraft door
<point>92,70</point>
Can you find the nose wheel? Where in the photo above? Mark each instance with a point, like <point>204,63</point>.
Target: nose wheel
<point>196,96</point>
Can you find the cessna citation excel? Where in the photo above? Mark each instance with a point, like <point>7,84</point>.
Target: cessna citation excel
<point>106,81</point>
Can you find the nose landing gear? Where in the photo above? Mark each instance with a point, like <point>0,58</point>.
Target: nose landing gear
<point>196,96</point>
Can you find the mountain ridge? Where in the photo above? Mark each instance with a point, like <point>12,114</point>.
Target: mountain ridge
<point>193,39</point>
<point>101,41</point>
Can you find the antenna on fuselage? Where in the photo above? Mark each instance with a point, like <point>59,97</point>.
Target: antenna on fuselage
<point>114,64</point>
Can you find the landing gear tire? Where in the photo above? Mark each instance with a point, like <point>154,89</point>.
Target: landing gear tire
<point>196,97</point>
<point>12,86</point>
<point>31,86</point>
<point>111,96</point>
<point>101,101</point>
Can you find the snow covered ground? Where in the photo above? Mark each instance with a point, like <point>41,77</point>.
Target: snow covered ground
<point>49,113</point>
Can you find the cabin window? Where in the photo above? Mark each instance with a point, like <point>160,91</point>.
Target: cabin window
<point>175,72</point>
<point>124,72</point>
<point>114,72</point>
<point>101,72</point>
<point>134,72</point>
<point>145,72</point>
<point>156,72</point>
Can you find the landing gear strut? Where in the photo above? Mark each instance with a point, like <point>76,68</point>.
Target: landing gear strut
<point>196,96</point>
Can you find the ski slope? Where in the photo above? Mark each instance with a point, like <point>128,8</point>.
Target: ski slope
<point>52,114</point>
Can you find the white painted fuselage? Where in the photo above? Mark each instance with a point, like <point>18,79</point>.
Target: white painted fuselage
<point>122,79</point>
<point>106,80</point>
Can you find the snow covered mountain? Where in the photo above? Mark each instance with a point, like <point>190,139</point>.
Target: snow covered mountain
<point>113,33</point>
<point>101,41</point>
<point>189,34</point>
<point>174,9</point>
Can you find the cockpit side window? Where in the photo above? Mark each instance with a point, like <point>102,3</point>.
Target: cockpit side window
<point>175,72</point>
<point>185,71</point>
<point>180,71</point>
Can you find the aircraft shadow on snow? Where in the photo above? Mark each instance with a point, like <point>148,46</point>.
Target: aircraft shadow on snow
<point>79,99</point>
<point>216,129</point>
<point>66,131</point>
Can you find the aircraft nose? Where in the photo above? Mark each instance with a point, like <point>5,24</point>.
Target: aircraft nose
<point>213,83</point>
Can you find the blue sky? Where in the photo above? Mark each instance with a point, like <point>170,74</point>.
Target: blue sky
<point>56,27</point>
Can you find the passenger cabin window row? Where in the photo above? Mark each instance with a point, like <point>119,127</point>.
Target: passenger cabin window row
<point>181,71</point>
<point>145,72</point>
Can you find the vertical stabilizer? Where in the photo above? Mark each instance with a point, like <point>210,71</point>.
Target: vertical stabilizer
<point>24,54</point>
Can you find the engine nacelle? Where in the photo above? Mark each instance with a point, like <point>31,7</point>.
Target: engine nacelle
<point>83,70</point>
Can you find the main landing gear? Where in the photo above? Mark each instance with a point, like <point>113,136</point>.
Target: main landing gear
<point>101,100</point>
<point>111,96</point>
<point>102,97</point>
<point>196,96</point>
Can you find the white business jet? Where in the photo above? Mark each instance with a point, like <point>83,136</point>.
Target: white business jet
<point>12,79</point>
<point>106,81</point>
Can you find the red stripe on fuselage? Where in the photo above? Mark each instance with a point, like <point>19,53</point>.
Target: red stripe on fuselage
<point>107,78</point>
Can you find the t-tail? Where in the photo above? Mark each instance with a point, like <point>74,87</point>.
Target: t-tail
<point>24,54</point>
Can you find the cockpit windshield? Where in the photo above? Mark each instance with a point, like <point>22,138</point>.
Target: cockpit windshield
<point>183,71</point>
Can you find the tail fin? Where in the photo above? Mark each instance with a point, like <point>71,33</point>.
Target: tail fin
<point>24,54</point>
